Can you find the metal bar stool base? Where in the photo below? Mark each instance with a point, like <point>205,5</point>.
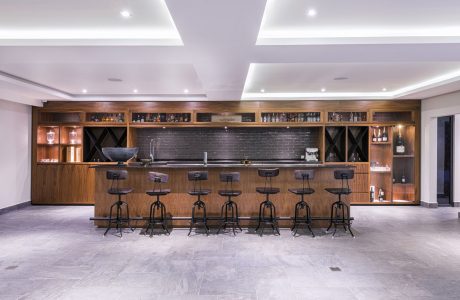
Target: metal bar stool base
<point>231,208</point>
<point>305,220</point>
<point>336,219</point>
<point>118,220</point>
<point>199,205</point>
<point>267,220</point>
<point>154,207</point>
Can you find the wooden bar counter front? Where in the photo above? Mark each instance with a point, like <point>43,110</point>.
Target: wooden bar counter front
<point>179,202</point>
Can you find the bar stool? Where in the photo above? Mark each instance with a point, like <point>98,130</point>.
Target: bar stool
<point>267,210</point>
<point>115,189</point>
<point>229,211</point>
<point>302,205</point>
<point>157,206</point>
<point>344,175</point>
<point>197,177</point>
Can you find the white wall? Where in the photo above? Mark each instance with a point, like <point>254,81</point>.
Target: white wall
<point>15,153</point>
<point>432,108</point>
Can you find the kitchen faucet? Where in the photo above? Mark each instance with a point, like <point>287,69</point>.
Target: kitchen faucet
<point>152,151</point>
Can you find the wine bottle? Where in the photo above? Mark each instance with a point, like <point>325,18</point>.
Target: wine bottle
<point>400,147</point>
<point>374,137</point>
<point>384,135</point>
<point>372,194</point>
<point>379,136</point>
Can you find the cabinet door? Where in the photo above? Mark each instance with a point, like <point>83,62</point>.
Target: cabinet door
<point>76,184</point>
<point>45,184</point>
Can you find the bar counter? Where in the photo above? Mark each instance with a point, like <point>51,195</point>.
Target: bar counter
<point>179,202</point>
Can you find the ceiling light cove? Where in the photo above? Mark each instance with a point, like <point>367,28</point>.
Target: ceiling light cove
<point>359,22</point>
<point>88,23</point>
<point>300,81</point>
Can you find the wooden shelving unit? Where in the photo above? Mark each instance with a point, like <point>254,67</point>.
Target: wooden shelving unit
<point>345,138</point>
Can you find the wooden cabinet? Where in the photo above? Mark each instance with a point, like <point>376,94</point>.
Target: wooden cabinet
<point>62,184</point>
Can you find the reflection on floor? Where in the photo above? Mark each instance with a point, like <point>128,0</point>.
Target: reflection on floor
<point>399,253</point>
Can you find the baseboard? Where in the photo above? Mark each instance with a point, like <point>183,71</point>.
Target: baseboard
<point>456,204</point>
<point>429,204</point>
<point>14,207</point>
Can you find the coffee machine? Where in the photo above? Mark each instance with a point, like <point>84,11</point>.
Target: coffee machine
<point>311,154</point>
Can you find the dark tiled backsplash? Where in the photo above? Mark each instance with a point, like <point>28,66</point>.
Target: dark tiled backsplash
<point>234,143</point>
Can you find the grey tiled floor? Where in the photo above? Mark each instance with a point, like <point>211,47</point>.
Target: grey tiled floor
<point>399,253</point>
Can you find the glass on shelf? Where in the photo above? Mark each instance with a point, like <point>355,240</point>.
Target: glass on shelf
<point>352,117</point>
<point>50,136</point>
<point>138,117</point>
<point>296,117</point>
<point>73,136</point>
<point>105,117</point>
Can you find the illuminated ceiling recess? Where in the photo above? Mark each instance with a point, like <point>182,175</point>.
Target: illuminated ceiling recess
<point>303,23</point>
<point>359,22</point>
<point>142,22</point>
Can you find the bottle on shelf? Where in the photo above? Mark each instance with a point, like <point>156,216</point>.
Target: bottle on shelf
<point>379,136</point>
<point>400,147</point>
<point>374,136</point>
<point>372,194</point>
<point>381,195</point>
<point>384,135</point>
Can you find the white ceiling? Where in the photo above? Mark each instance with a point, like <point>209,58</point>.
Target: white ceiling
<point>228,49</point>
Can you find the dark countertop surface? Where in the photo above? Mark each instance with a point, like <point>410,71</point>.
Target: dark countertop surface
<point>227,164</point>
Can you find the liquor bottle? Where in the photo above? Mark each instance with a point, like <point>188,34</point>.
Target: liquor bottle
<point>381,195</point>
<point>372,194</point>
<point>374,137</point>
<point>384,135</point>
<point>352,119</point>
<point>403,177</point>
<point>379,136</point>
<point>400,147</point>
<point>277,118</point>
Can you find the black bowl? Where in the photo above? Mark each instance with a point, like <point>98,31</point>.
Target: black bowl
<point>119,154</point>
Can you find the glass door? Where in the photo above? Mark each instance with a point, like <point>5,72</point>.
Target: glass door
<point>445,161</point>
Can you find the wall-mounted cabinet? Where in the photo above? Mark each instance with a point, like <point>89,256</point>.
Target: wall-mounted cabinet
<point>290,117</point>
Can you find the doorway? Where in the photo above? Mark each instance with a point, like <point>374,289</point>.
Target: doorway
<point>445,161</point>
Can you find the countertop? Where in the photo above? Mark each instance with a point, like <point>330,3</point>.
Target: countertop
<point>226,164</point>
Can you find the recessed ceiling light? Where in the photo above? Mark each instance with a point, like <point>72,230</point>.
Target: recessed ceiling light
<point>185,91</point>
<point>164,127</point>
<point>135,91</point>
<point>262,90</point>
<point>84,91</point>
<point>125,14</point>
<point>341,78</point>
<point>113,79</point>
<point>311,12</point>
<point>384,89</point>
<point>323,90</point>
